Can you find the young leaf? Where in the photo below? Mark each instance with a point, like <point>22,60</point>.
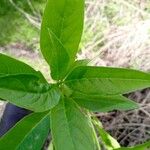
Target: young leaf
<point>26,91</point>
<point>144,146</point>
<point>29,133</point>
<point>58,59</point>
<point>11,66</point>
<point>109,142</point>
<point>78,63</point>
<point>103,103</point>
<point>51,147</point>
<point>61,31</point>
<point>71,129</point>
<point>106,81</point>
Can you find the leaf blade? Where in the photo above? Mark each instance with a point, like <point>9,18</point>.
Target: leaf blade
<point>79,134</point>
<point>64,19</point>
<point>103,103</point>
<point>109,142</point>
<point>34,130</point>
<point>11,66</point>
<point>106,81</point>
<point>26,91</point>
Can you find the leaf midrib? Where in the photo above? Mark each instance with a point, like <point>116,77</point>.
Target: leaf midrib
<point>62,21</point>
<point>82,79</point>
<point>67,82</point>
<point>68,125</point>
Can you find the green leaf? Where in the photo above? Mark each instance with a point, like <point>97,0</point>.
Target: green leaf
<point>61,32</point>
<point>145,146</point>
<point>58,59</point>
<point>109,142</point>
<point>106,81</point>
<point>103,103</point>
<point>29,133</point>
<point>70,127</point>
<point>78,63</point>
<point>26,91</point>
<point>11,66</point>
<point>51,147</point>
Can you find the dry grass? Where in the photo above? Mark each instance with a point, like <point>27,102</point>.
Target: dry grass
<point>130,127</point>
<point>122,40</point>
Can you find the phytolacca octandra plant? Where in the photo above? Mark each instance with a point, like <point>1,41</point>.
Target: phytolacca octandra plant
<point>64,106</point>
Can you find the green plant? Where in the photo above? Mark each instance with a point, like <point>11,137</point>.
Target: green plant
<point>64,106</point>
